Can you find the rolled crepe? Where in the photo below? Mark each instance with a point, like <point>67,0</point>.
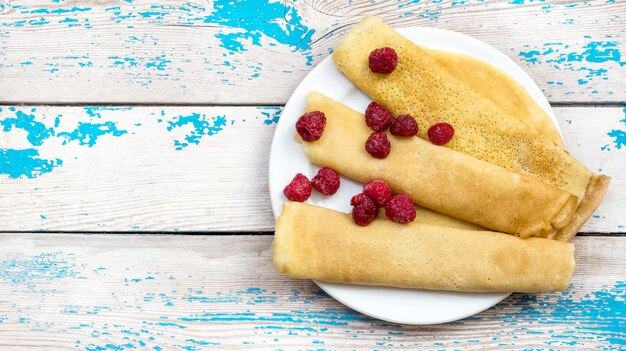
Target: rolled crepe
<point>438,178</point>
<point>425,89</point>
<point>313,242</point>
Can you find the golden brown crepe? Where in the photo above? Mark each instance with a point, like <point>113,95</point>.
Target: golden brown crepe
<point>317,243</point>
<point>497,86</point>
<point>594,193</point>
<point>424,215</point>
<point>439,178</point>
<point>425,89</point>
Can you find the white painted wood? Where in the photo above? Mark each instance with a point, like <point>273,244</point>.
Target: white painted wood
<point>197,292</point>
<point>212,52</point>
<point>139,181</point>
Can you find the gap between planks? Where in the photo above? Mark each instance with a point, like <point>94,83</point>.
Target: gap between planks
<point>214,233</point>
<point>252,104</point>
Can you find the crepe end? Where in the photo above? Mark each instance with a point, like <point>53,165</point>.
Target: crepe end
<point>366,28</point>
<point>594,194</point>
<point>283,246</point>
<point>567,213</point>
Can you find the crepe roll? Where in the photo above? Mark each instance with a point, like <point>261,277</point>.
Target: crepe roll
<point>313,242</point>
<point>425,89</point>
<point>421,87</point>
<point>438,178</point>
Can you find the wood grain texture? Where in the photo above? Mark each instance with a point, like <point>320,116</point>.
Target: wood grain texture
<point>255,52</point>
<point>197,169</point>
<point>195,292</point>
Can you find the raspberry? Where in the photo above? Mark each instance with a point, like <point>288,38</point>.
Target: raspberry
<point>403,125</point>
<point>326,181</point>
<point>377,117</point>
<point>299,189</point>
<point>440,133</point>
<point>363,211</point>
<point>378,145</point>
<point>310,126</point>
<point>383,60</point>
<point>357,199</point>
<point>378,191</point>
<point>400,209</point>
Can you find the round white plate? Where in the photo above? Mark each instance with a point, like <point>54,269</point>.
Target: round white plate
<point>406,306</point>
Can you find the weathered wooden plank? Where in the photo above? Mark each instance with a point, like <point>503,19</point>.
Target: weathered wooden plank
<point>119,292</point>
<point>196,169</point>
<point>125,168</point>
<point>195,51</point>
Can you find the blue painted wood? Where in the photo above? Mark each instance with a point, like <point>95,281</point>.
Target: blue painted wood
<point>115,303</point>
<point>43,145</point>
<point>145,308</point>
<point>582,61</point>
<point>86,126</point>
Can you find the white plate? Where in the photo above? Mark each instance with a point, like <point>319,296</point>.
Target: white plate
<point>287,158</point>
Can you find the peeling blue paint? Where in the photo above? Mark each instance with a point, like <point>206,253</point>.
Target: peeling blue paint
<point>56,11</point>
<point>587,61</point>
<point>272,116</point>
<point>275,20</point>
<point>25,163</point>
<point>96,111</point>
<point>29,270</point>
<point>522,2</point>
<point>158,62</point>
<point>599,52</point>
<point>243,24</point>
<point>201,125</point>
<point>618,135</point>
<point>202,342</point>
<point>88,133</point>
<point>579,320</point>
<point>595,52</point>
<point>36,131</point>
<point>233,41</point>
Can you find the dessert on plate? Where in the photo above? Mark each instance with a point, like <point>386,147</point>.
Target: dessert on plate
<point>468,186</point>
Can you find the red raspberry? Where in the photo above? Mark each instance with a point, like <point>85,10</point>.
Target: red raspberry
<point>383,60</point>
<point>357,199</point>
<point>299,189</point>
<point>377,117</point>
<point>440,133</point>
<point>310,126</point>
<point>378,145</point>
<point>326,181</point>
<point>404,126</point>
<point>378,191</point>
<point>400,209</point>
<point>363,211</point>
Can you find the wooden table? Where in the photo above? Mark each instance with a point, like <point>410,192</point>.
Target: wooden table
<point>133,173</point>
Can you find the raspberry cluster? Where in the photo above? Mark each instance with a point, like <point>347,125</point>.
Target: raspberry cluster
<point>377,194</point>
<point>326,182</point>
<point>384,61</point>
